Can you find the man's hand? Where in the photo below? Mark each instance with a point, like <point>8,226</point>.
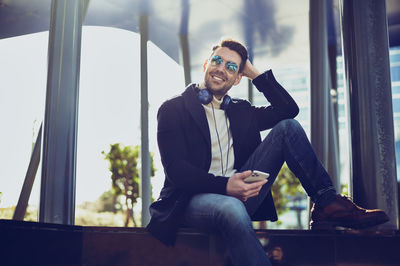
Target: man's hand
<point>236,187</point>
<point>250,71</point>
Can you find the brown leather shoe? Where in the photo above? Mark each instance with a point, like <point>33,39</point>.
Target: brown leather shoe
<point>345,213</point>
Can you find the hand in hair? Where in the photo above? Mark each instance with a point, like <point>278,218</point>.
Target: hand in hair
<point>250,71</point>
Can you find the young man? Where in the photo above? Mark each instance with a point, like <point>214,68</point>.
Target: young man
<point>210,143</point>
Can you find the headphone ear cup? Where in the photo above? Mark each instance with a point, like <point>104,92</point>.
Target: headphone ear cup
<point>205,96</point>
<point>225,102</point>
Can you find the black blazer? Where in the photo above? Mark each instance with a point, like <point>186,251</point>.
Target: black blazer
<point>184,141</point>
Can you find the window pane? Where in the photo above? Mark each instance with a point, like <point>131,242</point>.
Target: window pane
<point>22,97</point>
<point>394,54</point>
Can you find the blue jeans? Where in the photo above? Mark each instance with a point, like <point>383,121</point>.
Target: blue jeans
<point>230,217</point>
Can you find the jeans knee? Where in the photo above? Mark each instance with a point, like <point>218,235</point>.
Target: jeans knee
<point>232,212</point>
<point>233,215</point>
<point>288,126</point>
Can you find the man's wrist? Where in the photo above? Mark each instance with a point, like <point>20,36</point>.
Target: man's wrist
<point>252,72</point>
<point>253,75</point>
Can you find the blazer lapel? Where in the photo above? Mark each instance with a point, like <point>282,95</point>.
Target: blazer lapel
<point>196,110</point>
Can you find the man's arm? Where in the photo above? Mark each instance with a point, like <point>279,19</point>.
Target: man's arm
<point>282,105</point>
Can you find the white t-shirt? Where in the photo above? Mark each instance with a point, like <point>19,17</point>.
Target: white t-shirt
<point>222,155</point>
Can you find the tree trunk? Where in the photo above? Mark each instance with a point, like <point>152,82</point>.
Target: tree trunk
<point>127,213</point>
<point>133,217</point>
<point>114,203</point>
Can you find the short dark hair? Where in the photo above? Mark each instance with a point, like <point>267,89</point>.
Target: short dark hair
<point>234,46</point>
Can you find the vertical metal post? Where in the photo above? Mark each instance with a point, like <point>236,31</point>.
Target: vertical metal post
<point>319,79</point>
<point>333,144</point>
<point>367,72</point>
<point>184,41</point>
<point>334,154</point>
<point>321,118</point>
<point>251,56</point>
<point>250,91</point>
<point>185,57</point>
<point>57,195</point>
<point>144,121</point>
<point>249,32</point>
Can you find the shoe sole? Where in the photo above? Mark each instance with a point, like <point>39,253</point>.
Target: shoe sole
<point>333,225</point>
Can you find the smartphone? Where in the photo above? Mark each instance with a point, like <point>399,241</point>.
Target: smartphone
<point>256,176</point>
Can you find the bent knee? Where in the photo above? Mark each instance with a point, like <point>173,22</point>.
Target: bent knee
<point>232,209</point>
<point>288,125</point>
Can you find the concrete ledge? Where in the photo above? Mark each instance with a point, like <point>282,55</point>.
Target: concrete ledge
<point>30,243</point>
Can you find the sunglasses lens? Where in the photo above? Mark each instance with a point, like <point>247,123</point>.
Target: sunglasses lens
<point>216,60</point>
<point>231,67</point>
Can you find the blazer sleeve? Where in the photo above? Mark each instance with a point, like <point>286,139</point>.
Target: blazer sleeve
<point>174,154</point>
<point>282,105</point>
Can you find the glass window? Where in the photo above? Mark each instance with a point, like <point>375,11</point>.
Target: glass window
<point>23,64</point>
<point>109,113</point>
<point>395,71</point>
<point>395,76</point>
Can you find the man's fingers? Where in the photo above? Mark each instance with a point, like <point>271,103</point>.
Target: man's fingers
<point>254,186</point>
<point>244,174</point>
<point>253,189</point>
<point>257,184</point>
<point>252,193</point>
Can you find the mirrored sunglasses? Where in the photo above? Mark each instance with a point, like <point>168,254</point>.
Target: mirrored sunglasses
<point>230,66</point>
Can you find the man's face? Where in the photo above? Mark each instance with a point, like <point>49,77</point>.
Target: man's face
<point>217,77</point>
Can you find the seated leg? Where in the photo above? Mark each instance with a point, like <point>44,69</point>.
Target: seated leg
<point>227,216</point>
<point>288,142</point>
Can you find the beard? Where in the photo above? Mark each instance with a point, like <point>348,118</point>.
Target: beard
<point>217,90</point>
<point>220,91</point>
